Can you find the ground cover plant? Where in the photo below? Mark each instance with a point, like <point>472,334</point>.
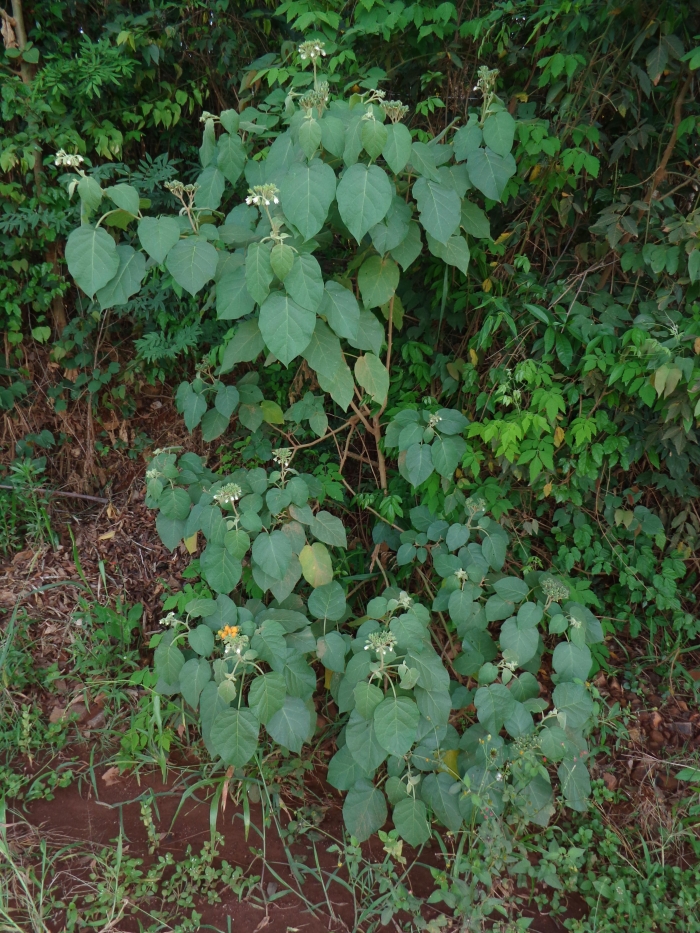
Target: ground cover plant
<point>395,344</point>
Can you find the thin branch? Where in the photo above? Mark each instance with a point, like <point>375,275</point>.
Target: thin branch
<point>58,492</point>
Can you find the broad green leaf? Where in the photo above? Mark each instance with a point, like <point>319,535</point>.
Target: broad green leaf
<point>372,375</point>
<point>124,196</point>
<point>397,148</point>
<point>571,662</point>
<point>330,650</point>
<point>90,192</point>
<point>575,784</point>
<point>341,310</point>
<point>192,405</point>
<point>304,283</point>
<point>489,172</point>
<point>467,139</point>
<point>192,263</point>
<point>226,400</point>
<point>344,770</point>
<point>272,552</point>
<point>170,531</point>
<point>339,386</point>
<point>378,279</point>
<point>447,453</point>
<point>168,660</point>
<point>258,271</point>
<point>328,602</point>
<point>194,676</point>
<point>208,148</point>
<point>212,183</point>
<point>201,640</point>
<point>436,791</point>
<point>310,135</point>
<point>220,569</point>
<point>266,696</point>
<point>519,722</point>
<point>290,726</point>
<point>370,334</point>
<point>307,193</point>
<point>392,231</point>
<point>416,464</point>
<point>158,235</point>
<point>494,550</point>
<point>174,502</point>
<point>323,354</point>
<point>316,564</point>
<point>333,135</point>
<point>269,642</point>
<point>247,344</point>
<point>282,260</point>
<point>234,735</point>
<point>575,701</point>
<point>518,645</point>
<point>272,413</point>
<point>455,252</point>
<point>409,248</point>
<point>474,221</point>
<point>434,705</point>
<point>374,137</point>
<point>451,421</point>
<point>286,328</point>
<point>499,130</point>
<point>364,196</point>
<point>411,821</point>
<point>439,207</point>
<point>493,705</point>
<point>92,258</point>
<point>364,810</point>
<point>127,280</point>
<point>423,160</point>
<point>353,141</point>
<point>230,156</point>
<point>396,723</point>
<point>367,699</point>
<point>233,300</point>
<point>329,529</point>
<point>512,589</point>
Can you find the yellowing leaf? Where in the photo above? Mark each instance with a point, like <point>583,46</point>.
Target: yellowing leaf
<point>473,358</point>
<point>272,413</point>
<point>559,436</point>
<point>522,97</point>
<point>316,564</point>
<point>108,535</point>
<point>502,237</point>
<point>487,285</point>
<point>449,763</point>
<point>191,543</point>
<point>535,172</point>
<point>696,345</point>
<point>547,489</point>
<point>327,679</point>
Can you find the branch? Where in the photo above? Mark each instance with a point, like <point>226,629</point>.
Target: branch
<point>58,492</point>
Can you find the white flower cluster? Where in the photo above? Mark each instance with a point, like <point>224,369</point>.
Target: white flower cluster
<point>282,455</point>
<point>404,600</point>
<point>65,158</point>
<point>434,420</point>
<point>381,642</point>
<point>228,494</point>
<point>170,620</point>
<point>263,194</point>
<point>311,50</point>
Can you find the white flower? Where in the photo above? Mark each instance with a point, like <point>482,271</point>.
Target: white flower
<point>70,161</point>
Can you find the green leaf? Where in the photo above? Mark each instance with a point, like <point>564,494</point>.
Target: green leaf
<point>230,156</point>
<point>192,405</point>
<point>396,722</point>
<point>158,235</point>
<point>192,263</point>
<point>512,589</point>
<point>370,334</point>
<point>194,676</point>
<point>341,310</point>
<point>247,344</point>
<point>374,137</point>
<point>439,208</point>
<point>367,699</point>
<point>423,160</point>
<point>329,529</point>
<point>306,194</point>
<point>234,735</point>
<point>316,564</point>
<point>124,196</point>
<point>272,413</point>
<point>272,552</point>
<point>364,810</point>
<point>226,400</point>
<point>290,726</point>
<point>494,550</point>
<point>489,172</point>
<point>211,183</point>
<point>499,130</point>
<point>304,283</point>
<point>333,135</point>
<point>436,791</point>
<point>411,821</point>
<point>286,328</point>
<point>378,279</point>
<point>282,260</point>
<point>330,650</point>
<point>410,247</point>
<point>467,139</point>
<point>328,602</point>
<point>323,354</point>
<point>519,645</point>
<point>493,705</point>
<point>201,640</point>
<point>258,271</point>
<point>397,148</point>
<point>694,265</point>
<point>474,221</point>
<point>90,192</point>
<point>392,231</point>
<point>447,453</point>
<point>344,770</point>
<point>233,300</point>
<point>372,375</point>
<point>168,660</point>
<point>364,196</point>
<point>220,569</point>
<point>170,531</point>
<point>575,701</point>
<point>310,136</point>
<point>455,252</point>
<point>208,147</point>
<point>127,280</point>
<point>266,695</point>
<point>174,502</point>
<point>434,705</point>
<point>575,784</point>
<point>92,258</point>
<point>572,662</point>
<point>417,463</point>
<point>269,642</point>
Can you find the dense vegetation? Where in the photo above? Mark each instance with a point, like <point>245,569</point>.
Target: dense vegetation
<point>423,282</point>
